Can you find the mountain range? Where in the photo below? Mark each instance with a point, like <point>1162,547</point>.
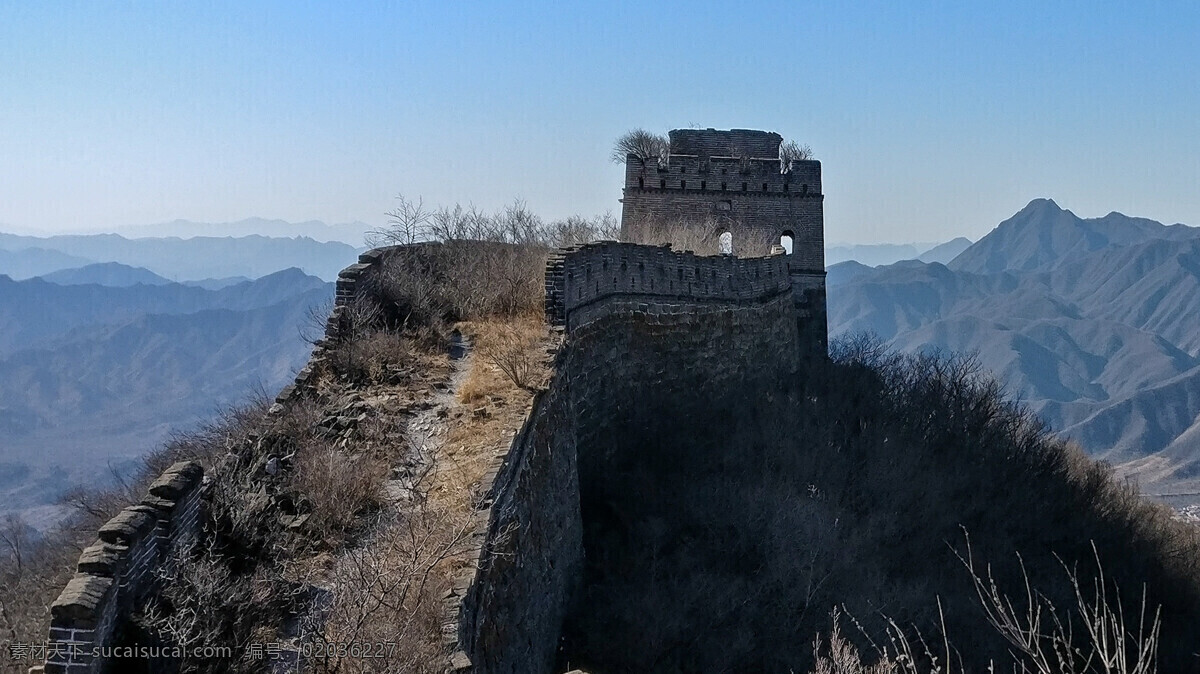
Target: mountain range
<point>177,259</point>
<point>876,254</point>
<point>97,375</point>
<point>1094,323</point>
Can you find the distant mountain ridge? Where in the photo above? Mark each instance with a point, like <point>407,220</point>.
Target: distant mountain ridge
<point>34,311</point>
<point>350,233</point>
<point>188,259</point>
<point>878,254</point>
<point>1042,234</point>
<point>99,375</point>
<point>29,261</point>
<point>1095,323</point>
<point>112,274</point>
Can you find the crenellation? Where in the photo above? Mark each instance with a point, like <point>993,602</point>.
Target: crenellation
<point>121,567</point>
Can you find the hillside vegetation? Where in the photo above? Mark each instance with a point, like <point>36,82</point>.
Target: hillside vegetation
<point>870,490</point>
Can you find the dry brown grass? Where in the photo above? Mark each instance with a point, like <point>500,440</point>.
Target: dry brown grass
<point>389,589</point>
<point>509,355</point>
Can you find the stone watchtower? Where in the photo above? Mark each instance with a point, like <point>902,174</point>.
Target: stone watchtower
<point>732,188</point>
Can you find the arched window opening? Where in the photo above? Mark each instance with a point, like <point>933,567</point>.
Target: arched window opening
<point>641,183</point>
<point>703,185</point>
<point>726,243</point>
<point>683,184</point>
<point>786,240</point>
<point>764,187</point>
<point>662,184</point>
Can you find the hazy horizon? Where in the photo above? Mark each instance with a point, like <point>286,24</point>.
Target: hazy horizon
<point>931,123</point>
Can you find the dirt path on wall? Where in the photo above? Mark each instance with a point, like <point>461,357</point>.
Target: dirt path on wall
<point>424,435</point>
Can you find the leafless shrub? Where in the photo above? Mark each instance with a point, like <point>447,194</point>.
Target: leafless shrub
<point>701,238</point>
<point>211,600</point>
<point>339,487</point>
<point>790,151</point>
<point>371,357</point>
<point>576,230</point>
<point>407,223</point>
<point>1098,638</point>
<point>641,144</point>
<point>390,592</point>
<point>514,350</point>
<point>316,317</point>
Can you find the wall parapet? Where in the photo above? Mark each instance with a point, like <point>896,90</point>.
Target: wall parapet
<point>121,568</point>
<point>582,276</point>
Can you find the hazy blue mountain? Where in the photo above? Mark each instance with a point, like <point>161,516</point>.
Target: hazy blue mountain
<point>97,376</point>
<point>198,257</point>
<point>112,274</point>
<point>351,233</point>
<point>26,262</point>
<point>216,283</point>
<point>1042,235</point>
<point>871,255</point>
<point>944,252</point>
<point>1093,323</point>
<point>33,312</point>
<point>879,254</point>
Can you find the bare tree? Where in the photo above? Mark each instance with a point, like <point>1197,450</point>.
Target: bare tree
<point>407,223</point>
<point>791,151</point>
<point>641,144</point>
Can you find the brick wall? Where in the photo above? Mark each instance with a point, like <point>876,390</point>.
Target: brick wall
<point>752,199</point>
<point>719,142</point>
<point>119,570</point>
<point>650,337</point>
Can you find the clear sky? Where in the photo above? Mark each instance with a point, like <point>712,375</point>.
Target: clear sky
<point>932,119</point>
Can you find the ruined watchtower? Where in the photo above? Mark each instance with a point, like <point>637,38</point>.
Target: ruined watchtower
<point>733,187</point>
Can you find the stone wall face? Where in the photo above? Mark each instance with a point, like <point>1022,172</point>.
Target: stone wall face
<point>117,572</point>
<point>651,337</point>
<point>721,143</point>
<point>507,611</point>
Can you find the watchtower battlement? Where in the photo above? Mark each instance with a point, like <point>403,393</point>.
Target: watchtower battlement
<point>731,143</point>
<point>734,185</point>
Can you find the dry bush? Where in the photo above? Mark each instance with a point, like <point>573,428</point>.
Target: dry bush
<point>701,238</point>
<point>517,350</point>
<point>406,223</point>
<point>438,284</point>
<point>340,488</point>
<point>1092,635</point>
<point>642,144</point>
<point>372,357</point>
<point>389,593</point>
<point>509,354</point>
<point>33,570</point>
<point>790,151</point>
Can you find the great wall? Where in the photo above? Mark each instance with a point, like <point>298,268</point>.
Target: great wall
<point>650,339</point>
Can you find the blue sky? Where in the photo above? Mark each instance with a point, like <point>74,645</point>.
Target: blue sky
<point>932,119</point>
